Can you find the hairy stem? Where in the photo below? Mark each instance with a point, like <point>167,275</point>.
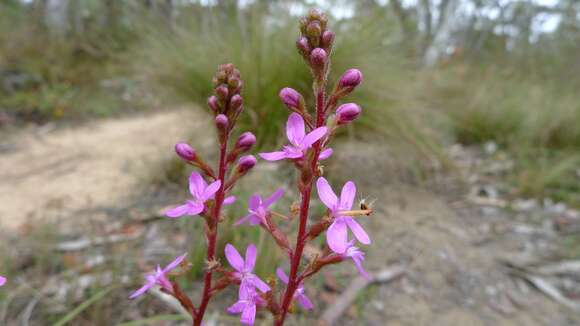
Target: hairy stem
<point>211,234</point>
<point>306,191</point>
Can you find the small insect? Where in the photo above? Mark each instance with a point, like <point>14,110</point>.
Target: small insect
<point>364,206</point>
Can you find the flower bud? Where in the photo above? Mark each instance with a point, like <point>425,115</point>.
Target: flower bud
<point>351,78</point>
<point>303,46</point>
<point>222,92</point>
<point>212,102</point>
<point>221,121</point>
<point>347,113</point>
<point>185,151</point>
<point>318,57</point>
<point>246,141</point>
<point>327,40</point>
<point>246,163</point>
<point>233,83</point>
<point>235,102</point>
<point>292,99</point>
<point>313,31</point>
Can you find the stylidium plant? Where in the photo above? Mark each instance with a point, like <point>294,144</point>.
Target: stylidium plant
<point>309,132</point>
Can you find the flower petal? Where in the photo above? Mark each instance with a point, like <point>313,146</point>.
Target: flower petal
<point>250,218</point>
<point>237,307</point>
<point>274,197</point>
<point>304,302</point>
<point>347,196</point>
<point>229,200</point>
<point>273,156</point>
<point>281,275</point>
<point>248,314</point>
<point>254,202</point>
<point>234,258</point>
<point>178,211</point>
<point>336,236</point>
<point>174,263</point>
<point>251,254</point>
<point>295,128</point>
<point>2,280</point>
<point>358,263</point>
<point>325,154</point>
<point>359,233</point>
<point>141,291</point>
<point>259,284</point>
<point>196,185</point>
<point>325,193</point>
<point>210,191</point>
<point>314,136</point>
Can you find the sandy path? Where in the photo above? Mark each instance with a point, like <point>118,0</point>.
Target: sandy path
<point>53,174</point>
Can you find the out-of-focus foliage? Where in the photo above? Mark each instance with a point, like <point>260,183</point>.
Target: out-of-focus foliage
<point>464,70</point>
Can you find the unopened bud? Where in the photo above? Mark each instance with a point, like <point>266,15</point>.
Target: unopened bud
<point>212,102</point>
<point>292,99</point>
<point>327,40</point>
<point>318,58</point>
<point>246,141</point>
<point>236,102</point>
<point>346,113</point>
<point>222,92</point>
<point>313,31</point>
<point>233,83</point>
<point>303,46</point>
<point>246,163</point>
<point>351,78</point>
<point>185,151</point>
<point>221,121</point>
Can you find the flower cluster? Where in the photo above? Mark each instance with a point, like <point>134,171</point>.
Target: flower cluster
<point>309,133</point>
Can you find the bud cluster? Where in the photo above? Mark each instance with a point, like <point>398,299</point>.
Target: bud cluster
<point>226,100</point>
<point>315,42</point>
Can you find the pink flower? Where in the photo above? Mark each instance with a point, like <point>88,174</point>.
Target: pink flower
<point>247,304</point>
<point>258,208</point>
<point>2,280</point>
<point>336,236</point>
<point>300,142</point>
<point>357,257</point>
<point>158,278</point>
<point>299,294</point>
<point>245,267</point>
<point>201,193</point>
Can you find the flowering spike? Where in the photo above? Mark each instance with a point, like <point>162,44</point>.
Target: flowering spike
<point>347,113</point>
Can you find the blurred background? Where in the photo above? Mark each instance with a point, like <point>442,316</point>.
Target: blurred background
<point>468,148</point>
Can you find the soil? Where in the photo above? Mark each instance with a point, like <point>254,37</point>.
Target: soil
<point>52,173</point>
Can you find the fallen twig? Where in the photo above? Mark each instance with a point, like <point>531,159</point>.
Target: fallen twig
<point>334,311</point>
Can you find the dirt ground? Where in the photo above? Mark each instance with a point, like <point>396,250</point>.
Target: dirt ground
<point>453,250</point>
<point>48,173</point>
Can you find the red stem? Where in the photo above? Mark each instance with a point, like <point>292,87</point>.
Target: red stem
<point>305,205</point>
<point>211,234</point>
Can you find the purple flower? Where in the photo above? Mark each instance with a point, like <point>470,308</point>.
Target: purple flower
<point>247,304</point>
<point>291,98</point>
<point>357,257</point>
<point>258,208</point>
<point>299,294</point>
<point>299,141</point>
<point>245,267</point>
<point>158,278</point>
<point>245,163</point>
<point>201,193</point>
<point>336,236</point>
<point>2,280</point>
